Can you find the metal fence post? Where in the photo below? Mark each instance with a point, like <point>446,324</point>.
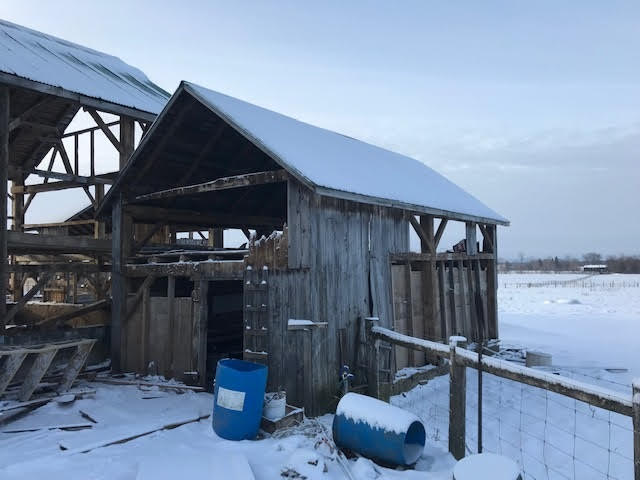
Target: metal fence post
<point>373,358</point>
<point>636,427</point>
<point>457,401</point>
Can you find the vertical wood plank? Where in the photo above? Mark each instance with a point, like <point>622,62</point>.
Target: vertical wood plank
<point>4,170</point>
<point>457,405</point>
<point>444,330</point>
<point>452,299</point>
<point>171,314</point>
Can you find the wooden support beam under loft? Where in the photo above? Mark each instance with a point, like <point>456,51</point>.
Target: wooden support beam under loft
<point>439,232</point>
<point>19,242</point>
<point>81,268</point>
<point>224,183</point>
<point>191,217</point>
<point>425,238</point>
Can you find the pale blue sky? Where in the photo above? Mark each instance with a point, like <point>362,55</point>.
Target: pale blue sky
<point>533,107</point>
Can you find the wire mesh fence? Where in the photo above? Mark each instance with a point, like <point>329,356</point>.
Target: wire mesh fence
<point>551,436</point>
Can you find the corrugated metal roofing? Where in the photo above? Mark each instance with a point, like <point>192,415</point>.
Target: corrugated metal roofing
<point>52,61</point>
<point>340,166</point>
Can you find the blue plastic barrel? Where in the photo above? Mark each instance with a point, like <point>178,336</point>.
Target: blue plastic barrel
<point>238,398</point>
<point>377,430</point>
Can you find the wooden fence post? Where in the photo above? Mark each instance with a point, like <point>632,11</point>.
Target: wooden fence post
<point>457,401</point>
<point>373,358</point>
<point>636,428</point>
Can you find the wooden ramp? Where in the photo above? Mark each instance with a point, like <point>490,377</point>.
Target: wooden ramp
<point>40,358</point>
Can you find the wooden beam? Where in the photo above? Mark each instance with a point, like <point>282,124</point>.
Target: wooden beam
<point>4,178</point>
<point>75,267</point>
<point>23,301</point>
<point>486,235</point>
<point>70,223</point>
<point>192,217</point>
<point>64,317</point>
<point>224,183</point>
<point>19,242</point>
<point>105,129</point>
<point>107,178</point>
<point>49,187</point>
<point>221,270</point>
<point>424,237</point>
<point>439,232</point>
<point>138,296</point>
<point>471,241</point>
<point>127,140</point>
<point>15,123</point>
<point>90,129</point>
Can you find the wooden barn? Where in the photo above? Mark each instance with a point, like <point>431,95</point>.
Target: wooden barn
<point>327,220</point>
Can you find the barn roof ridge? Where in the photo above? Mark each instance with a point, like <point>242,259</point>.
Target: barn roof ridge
<point>296,146</point>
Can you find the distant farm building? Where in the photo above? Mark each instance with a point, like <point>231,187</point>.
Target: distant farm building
<point>327,220</point>
<point>594,269</point>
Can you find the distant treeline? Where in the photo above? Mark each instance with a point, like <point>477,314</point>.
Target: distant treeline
<point>615,264</point>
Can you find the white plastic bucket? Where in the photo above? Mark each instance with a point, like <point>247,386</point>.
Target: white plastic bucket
<point>274,405</point>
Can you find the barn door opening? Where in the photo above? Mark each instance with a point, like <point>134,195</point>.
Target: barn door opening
<point>224,325</point>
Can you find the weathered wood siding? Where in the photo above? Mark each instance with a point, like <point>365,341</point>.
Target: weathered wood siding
<point>337,271</point>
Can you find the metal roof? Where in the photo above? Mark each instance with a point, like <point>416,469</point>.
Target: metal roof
<point>48,60</point>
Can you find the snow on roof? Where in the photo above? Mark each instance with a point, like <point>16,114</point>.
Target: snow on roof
<point>336,163</point>
<point>49,60</point>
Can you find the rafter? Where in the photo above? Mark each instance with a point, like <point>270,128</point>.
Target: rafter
<point>105,129</point>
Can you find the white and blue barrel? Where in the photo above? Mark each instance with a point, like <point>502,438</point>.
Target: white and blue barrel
<point>378,430</point>
<point>238,399</point>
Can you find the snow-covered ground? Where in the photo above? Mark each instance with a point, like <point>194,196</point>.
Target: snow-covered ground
<point>588,325</point>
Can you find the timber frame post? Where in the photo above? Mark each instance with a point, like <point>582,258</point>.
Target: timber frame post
<point>4,172</point>
<point>457,400</point>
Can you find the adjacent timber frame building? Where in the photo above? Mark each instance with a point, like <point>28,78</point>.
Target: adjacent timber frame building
<point>46,83</point>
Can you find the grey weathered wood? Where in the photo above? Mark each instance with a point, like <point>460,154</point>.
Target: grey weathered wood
<point>76,267</point>
<point>10,368</point>
<point>36,372</point>
<point>218,270</point>
<point>4,178</point>
<point>425,238</point>
<point>445,330</point>
<point>224,183</point>
<point>171,314</point>
<point>471,239</point>
<point>36,226</point>
<point>373,361</point>
<point>105,129</point>
<point>15,309</point>
<point>635,395</point>
<point>19,242</point>
<point>63,317</point>
<point>457,405</point>
<point>203,315</point>
<point>75,364</point>
<point>492,285</point>
<point>133,304</point>
<point>127,139</point>
<point>120,239</point>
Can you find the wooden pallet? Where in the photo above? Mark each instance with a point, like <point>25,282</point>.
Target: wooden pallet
<point>12,358</point>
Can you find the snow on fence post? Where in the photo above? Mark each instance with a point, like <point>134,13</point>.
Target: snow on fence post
<point>457,400</point>
<point>373,357</point>
<point>636,427</point>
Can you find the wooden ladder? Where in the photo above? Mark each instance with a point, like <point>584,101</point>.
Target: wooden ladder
<point>12,358</point>
<point>256,309</point>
